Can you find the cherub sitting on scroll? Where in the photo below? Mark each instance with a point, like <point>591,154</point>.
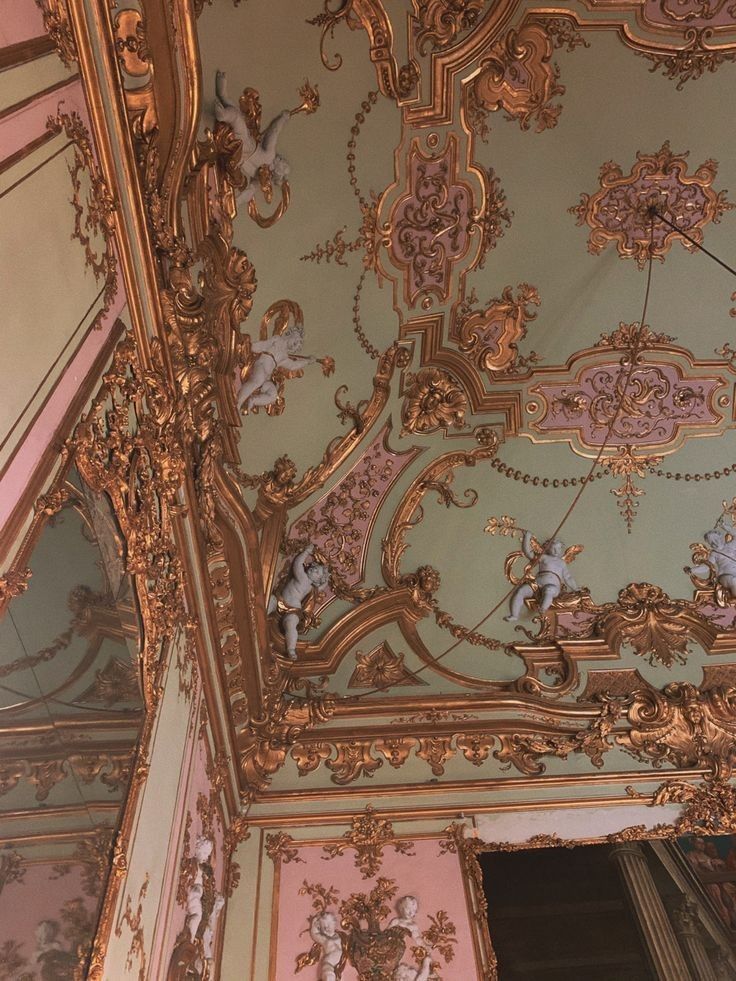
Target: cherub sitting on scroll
<point>545,576</point>
<point>273,360</point>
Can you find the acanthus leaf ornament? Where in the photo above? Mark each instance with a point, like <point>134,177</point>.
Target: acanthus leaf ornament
<point>656,627</point>
<point>433,400</point>
<point>368,836</point>
<point>519,77</point>
<point>620,212</point>
<point>59,29</point>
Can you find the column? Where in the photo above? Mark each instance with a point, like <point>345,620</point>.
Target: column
<point>688,930</point>
<point>654,924</point>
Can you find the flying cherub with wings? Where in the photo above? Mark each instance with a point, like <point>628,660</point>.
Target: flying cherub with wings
<point>273,360</point>
<point>546,574</point>
<point>261,164</point>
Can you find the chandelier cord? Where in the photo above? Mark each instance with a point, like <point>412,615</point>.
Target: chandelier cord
<point>693,241</point>
<point>633,353</point>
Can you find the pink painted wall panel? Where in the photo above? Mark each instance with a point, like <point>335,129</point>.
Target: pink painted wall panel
<point>433,878</point>
<point>20,20</point>
<point>38,914</point>
<point>173,913</point>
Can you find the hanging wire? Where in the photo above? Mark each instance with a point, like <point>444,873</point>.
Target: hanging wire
<point>681,231</point>
<point>633,353</point>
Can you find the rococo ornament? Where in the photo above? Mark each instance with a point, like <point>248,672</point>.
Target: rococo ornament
<point>682,725</point>
<point>364,934</point>
<point>621,211</point>
<point>519,77</point>
<point>490,337</point>
<point>433,400</point>
<point>369,835</point>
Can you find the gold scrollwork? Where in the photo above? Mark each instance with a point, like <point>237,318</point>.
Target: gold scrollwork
<point>368,836</point>
<point>681,725</point>
<point>97,215</point>
<point>59,29</point>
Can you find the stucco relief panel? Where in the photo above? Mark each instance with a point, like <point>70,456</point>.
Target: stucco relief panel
<point>413,903</point>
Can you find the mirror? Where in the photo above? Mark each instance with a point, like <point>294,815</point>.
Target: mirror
<point>71,711</point>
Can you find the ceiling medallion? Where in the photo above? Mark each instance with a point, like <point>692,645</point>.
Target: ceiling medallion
<point>632,414</point>
<point>620,211</point>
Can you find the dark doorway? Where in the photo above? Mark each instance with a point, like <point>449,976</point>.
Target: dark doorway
<point>559,914</point>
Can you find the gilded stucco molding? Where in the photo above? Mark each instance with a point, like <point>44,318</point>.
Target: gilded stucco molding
<point>368,835</point>
<point>395,81</point>
<point>94,213</point>
<point>141,471</point>
<point>618,211</point>
<point>57,24</point>
<point>681,725</point>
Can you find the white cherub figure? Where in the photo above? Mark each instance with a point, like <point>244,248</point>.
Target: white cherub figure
<point>303,580</point>
<point>195,893</point>
<point>260,163</point>
<point>720,558</point>
<point>278,352</point>
<point>549,576</point>
<point>405,972</point>
<point>272,360</point>
<point>407,908</point>
<point>208,936</point>
<point>323,931</point>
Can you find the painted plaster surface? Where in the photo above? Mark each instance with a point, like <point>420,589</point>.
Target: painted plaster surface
<point>43,894</point>
<point>433,878</point>
<point>20,20</point>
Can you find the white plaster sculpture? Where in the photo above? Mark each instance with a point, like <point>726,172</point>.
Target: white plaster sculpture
<point>303,579</point>
<point>721,546</point>
<point>550,574</point>
<point>405,972</point>
<point>195,893</point>
<point>407,908</point>
<point>323,931</point>
<point>208,937</point>
<point>260,163</point>
<point>280,351</point>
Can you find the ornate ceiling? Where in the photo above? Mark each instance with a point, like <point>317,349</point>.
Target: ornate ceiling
<point>445,259</point>
<point>481,196</point>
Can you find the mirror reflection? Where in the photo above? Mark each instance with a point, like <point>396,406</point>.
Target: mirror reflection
<point>71,711</point>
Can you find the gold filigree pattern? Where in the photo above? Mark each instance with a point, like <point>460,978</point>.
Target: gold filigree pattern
<point>368,836</point>
<point>440,22</point>
<point>94,217</point>
<point>58,27</point>
<point>692,61</point>
<point>620,212</point>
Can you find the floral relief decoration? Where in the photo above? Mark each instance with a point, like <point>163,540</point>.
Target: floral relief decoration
<point>623,210</point>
